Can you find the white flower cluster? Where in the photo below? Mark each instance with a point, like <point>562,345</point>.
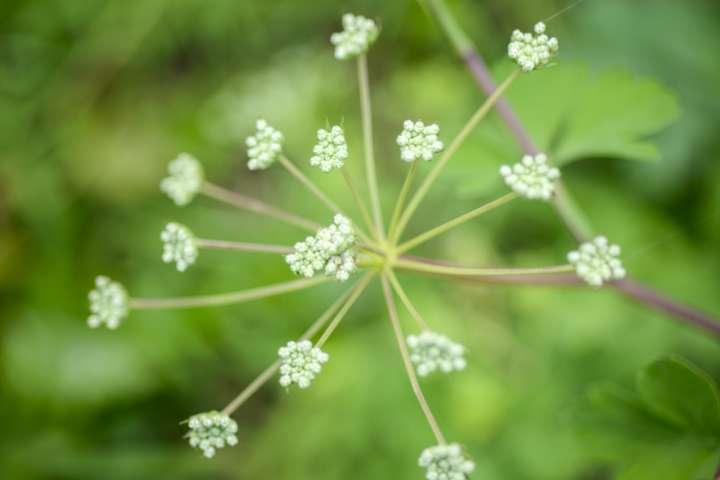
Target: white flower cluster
<point>446,462</point>
<point>597,261</point>
<point>263,147</point>
<point>108,303</point>
<point>532,177</point>
<point>300,363</point>
<point>331,150</point>
<point>328,251</point>
<point>357,35</point>
<point>418,140</point>
<point>431,351</point>
<point>210,431</point>
<point>185,179</point>
<point>532,51</point>
<point>179,246</point>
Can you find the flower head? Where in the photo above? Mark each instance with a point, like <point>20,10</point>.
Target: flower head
<point>418,140</point>
<point>357,36</point>
<point>431,351</point>
<point>532,51</point>
<point>263,147</point>
<point>179,246</point>
<point>446,462</point>
<point>108,303</point>
<point>185,179</point>
<point>328,251</point>
<point>532,177</point>
<point>210,431</point>
<point>300,363</point>
<point>331,150</point>
<point>597,261</point>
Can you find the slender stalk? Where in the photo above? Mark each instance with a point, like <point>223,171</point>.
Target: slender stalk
<point>267,374</point>
<point>440,229</point>
<point>226,298</point>
<point>359,202</point>
<point>366,113</point>
<point>243,247</point>
<point>358,289</point>
<point>256,206</point>
<point>406,301</point>
<point>405,264</point>
<point>395,321</point>
<point>407,184</point>
<point>457,141</point>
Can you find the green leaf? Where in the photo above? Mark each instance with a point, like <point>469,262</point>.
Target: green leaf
<point>681,394</point>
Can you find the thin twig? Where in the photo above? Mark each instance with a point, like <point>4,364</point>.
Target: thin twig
<point>242,246</point>
<point>358,289</point>
<point>400,204</point>
<point>406,301</point>
<point>359,202</point>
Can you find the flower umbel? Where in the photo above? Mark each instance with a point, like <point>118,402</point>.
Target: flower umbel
<point>210,431</point>
<point>179,246</point>
<point>185,179</point>
<point>597,261</point>
<point>301,362</point>
<point>331,150</point>
<point>263,147</point>
<point>445,462</point>
<point>431,351</point>
<point>108,303</point>
<point>532,51</point>
<point>532,177</point>
<point>328,251</point>
<point>357,36</point>
<point>418,140</point>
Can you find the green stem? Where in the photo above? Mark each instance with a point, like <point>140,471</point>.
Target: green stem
<point>457,141</point>
<point>440,229</point>
<point>405,264</point>
<point>407,184</point>
<point>243,247</point>
<point>358,289</point>
<point>359,202</point>
<point>366,113</point>
<point>395,321</point>
<point>256,206</point>
<point>406,301</point>
<point>226,298</point>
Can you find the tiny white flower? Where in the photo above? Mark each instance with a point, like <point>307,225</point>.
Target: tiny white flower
<point>431,351</point>
<point>331,151</point>
<point>445,462</point>
<point>357,36</point>
<point>179,246</point>
<point>532,51</point>
<point>185,179</point>
<point>264,147</point>
<point>300,362</point>
<point>532,177</point>
<point>329,251</point>
<point>418,140</point>
<point>108,303</point>
<point>210,431</point>
<point>597,261</point>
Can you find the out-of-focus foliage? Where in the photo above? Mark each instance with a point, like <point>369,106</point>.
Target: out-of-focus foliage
<point>96,98</point>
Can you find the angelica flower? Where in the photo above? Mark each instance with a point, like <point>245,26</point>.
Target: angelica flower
<point>300,363</point>
<point>185,179</point>
<point>597,261</point>
<point>445,462</point>
<point>331,150</point>
<point>108,303</point>
<point>179,246</point>
<point>328,251</point>
<point>210,431</point>
<point>418,140</point>
<point>431,351</point>
<point>532,51</point>
<point>357,36</point>
<point>263,147</point>
<point>532,177</point>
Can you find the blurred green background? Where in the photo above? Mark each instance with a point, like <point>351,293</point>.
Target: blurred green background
<point>97,97</point>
